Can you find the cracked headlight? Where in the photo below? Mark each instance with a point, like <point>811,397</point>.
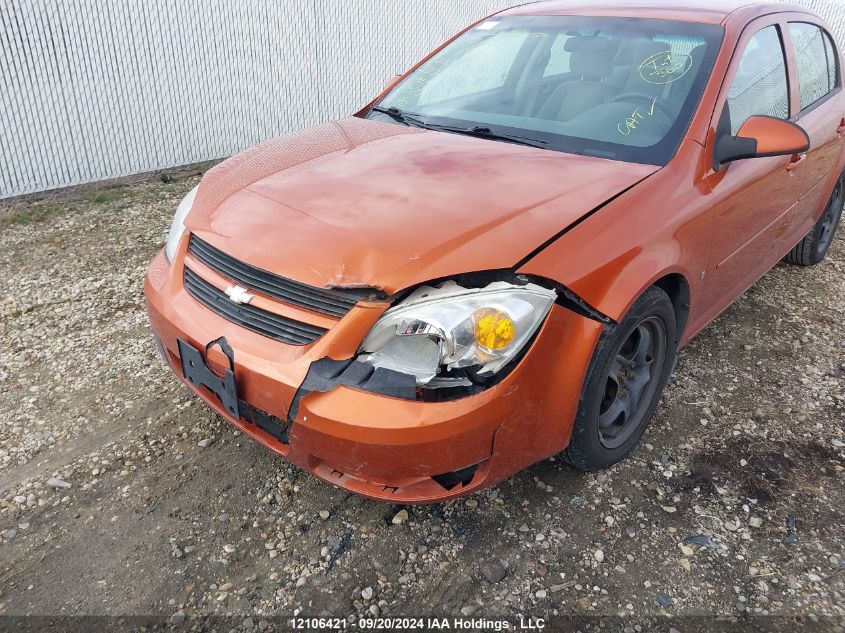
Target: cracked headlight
<point>437,330</point>
<point>177,228</point>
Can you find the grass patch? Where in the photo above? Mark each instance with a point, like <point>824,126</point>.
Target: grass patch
<point>29,215</point>
<point>25,213</point>
<point>34,208</point>
<point>109,195</point>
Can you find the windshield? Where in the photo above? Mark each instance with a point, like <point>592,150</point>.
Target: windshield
<point>617,88</point>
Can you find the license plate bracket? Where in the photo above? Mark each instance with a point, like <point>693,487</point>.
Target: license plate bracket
<point>198,374</point>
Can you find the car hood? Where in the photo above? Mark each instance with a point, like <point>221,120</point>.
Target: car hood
<point>364,203</point>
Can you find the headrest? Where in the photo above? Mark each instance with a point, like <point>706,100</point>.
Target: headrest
<point>697,52</point>
<point>593,66</point>
<point>586,44</point>
<point>625,49</point>
<point>646,48</point>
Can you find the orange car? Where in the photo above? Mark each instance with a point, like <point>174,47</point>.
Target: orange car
<point>497,259</point>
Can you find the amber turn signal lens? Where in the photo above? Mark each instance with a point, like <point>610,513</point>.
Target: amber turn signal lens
<point>494,330</point>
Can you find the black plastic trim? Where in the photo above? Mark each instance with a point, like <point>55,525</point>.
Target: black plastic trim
<point>461,477</point>
<point>731,148</point>
<point>326,374</point>
<point>573,302</point>
<point>270,424</point>
<point>197,373</point>
<point>255,319</point>
<point>331,301</point>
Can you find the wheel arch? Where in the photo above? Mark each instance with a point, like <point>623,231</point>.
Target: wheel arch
<point>614,288</point>
<point>677,287</point>
<point>675,284</point>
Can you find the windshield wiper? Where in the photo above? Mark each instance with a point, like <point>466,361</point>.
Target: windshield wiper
<point>478,131</point>
<point>402,117</point>
<point>481,131</point>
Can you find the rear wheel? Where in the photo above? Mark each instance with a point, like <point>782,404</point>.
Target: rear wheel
<point>813,248</point>
<point>630,367</point>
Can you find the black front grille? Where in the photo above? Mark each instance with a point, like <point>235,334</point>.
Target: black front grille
<point>255,319</point>
<point>334,302</point>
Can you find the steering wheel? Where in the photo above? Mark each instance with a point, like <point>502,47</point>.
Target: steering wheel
<point>635,96</point>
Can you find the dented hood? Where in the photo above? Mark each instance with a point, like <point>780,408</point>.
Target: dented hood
<point>365,203</point>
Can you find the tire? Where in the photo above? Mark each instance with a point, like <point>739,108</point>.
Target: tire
<point>624,383</point>
<point>813,248</point>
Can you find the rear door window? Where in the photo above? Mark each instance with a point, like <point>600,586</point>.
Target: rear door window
<point>815,60</point>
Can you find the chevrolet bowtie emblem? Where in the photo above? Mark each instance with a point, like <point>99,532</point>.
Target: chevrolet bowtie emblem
<point>238,294</point>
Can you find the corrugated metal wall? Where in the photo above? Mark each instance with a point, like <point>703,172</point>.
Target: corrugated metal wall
<point>95,89</point>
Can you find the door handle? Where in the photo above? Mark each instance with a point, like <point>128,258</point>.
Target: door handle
<point>841,129</point>
<point>797,159</point>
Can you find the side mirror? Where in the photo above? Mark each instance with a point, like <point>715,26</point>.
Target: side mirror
<point>761,136</point>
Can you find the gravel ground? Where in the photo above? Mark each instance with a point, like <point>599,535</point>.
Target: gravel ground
<point>122,494</point>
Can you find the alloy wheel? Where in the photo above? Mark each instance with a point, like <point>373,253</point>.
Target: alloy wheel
<point>632,380</point>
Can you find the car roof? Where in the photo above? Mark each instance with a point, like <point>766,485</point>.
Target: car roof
<point>709,11</point>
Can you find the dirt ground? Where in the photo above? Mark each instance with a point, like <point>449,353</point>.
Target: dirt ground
<point>122,494</point>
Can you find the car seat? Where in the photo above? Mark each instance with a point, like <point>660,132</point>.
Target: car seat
<point>592,60</point>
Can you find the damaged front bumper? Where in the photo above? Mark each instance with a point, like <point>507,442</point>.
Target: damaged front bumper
<point>308,408</point>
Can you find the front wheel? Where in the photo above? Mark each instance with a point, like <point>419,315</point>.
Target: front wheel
<point>629,369</point>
